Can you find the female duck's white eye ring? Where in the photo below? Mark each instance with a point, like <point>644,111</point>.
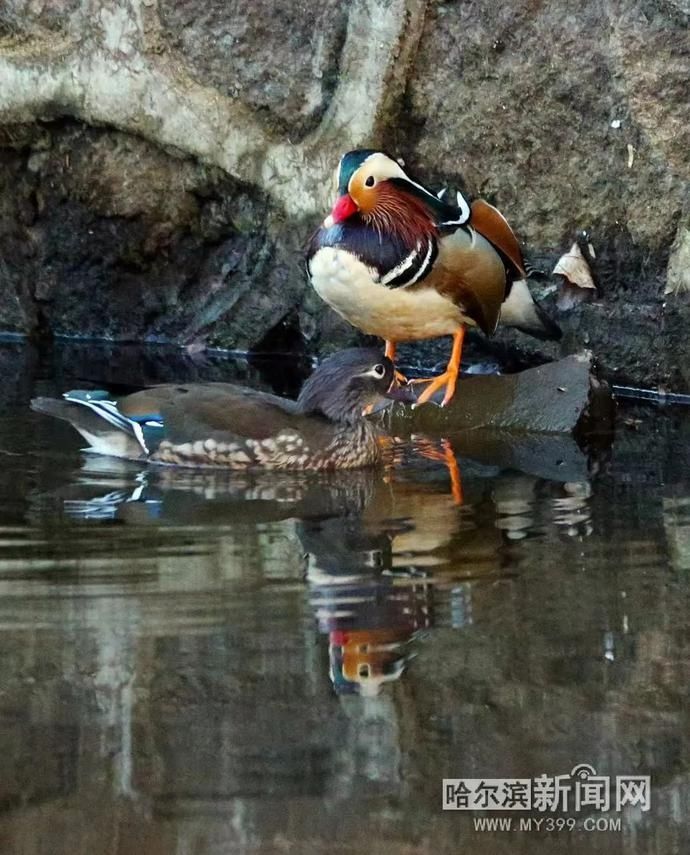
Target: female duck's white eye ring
<point>370,181</point>
<point>379,370</point>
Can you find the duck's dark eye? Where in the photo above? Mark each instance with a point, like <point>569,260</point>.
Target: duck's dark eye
<point>370,181</point>
<point>379,370</point>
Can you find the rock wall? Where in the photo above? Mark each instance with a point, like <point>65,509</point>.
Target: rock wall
<point>163,163</point>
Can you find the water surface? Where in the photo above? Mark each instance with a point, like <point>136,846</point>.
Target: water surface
<point>213,662</point>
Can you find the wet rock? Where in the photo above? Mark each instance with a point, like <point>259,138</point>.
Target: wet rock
<point>550,399</point>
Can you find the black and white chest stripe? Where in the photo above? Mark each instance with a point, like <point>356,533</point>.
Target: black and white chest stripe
<point>418,263</point>
<point>413,267</point>
<point>390,259</point>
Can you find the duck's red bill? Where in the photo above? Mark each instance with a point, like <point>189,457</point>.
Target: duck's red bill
<point>344,207</point>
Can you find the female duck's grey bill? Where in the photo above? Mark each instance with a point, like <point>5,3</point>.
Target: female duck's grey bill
<point>401,393</point>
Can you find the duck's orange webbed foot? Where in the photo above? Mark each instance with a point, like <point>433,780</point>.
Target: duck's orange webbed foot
<point>451,462</point>
<point>448,379</point>
<point>445,455</point>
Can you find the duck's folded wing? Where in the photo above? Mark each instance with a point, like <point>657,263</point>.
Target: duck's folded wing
<point>217,411</point>
<point>471,274</point>
<point>491,223</point>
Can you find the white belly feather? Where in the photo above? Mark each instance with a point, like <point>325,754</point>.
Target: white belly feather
<point>350,287</point>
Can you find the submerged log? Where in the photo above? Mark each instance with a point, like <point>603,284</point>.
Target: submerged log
<point>555,398</point>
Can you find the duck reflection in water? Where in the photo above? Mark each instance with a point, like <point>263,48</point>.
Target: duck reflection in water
<point>389,555</point>
<point>370,614</point>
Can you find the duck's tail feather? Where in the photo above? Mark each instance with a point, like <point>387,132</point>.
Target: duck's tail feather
<point>521,311</point>
<point>105,429</point>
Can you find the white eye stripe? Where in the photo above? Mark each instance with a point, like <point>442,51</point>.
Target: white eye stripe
<point>377,372</point>
<point>387,168</point>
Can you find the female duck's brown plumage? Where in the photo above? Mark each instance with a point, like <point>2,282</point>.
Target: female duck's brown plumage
<point>401,263</point>
<point>219,424</point>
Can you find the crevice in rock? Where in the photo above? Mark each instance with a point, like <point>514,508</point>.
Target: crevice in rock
<point>284,340</point>
<point>285,337</point>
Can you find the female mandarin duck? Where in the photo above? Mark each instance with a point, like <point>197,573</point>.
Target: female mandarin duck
<point>399,262</point>
<point>218,424</point>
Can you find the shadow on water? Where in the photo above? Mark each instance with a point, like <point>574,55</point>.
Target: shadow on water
<point>221,662</point>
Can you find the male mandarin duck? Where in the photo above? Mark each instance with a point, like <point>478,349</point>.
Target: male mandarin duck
<point>362,661</point>
<point>399,262</point>
<point>219,424</point>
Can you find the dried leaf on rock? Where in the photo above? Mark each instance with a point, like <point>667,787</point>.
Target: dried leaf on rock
<point>579,285</point>
<point>574,267</point>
